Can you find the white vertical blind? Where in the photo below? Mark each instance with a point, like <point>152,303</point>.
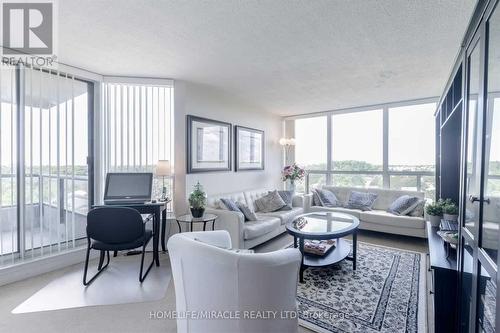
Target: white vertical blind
<point>52,150</point>
<point>137,127</point>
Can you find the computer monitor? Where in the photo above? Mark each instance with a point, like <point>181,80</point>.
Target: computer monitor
<point>128,187</point>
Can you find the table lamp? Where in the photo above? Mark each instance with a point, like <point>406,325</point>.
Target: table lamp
<point>163,170</point>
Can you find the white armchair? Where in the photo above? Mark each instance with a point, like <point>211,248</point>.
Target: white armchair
<point>208,277</point>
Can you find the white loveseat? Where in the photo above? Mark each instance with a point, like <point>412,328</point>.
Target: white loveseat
<point>378,219</point>
<point>245,235</point>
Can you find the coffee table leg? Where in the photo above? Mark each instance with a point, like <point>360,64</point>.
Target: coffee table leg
<point>294,241</point>
<point>354,249</point>
<point>302,268</point>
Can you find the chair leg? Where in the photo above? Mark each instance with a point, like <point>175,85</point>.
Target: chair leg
<point>99,270</point>
<point>141,277</point>
<point>115,253</point>
<point>101,259</point>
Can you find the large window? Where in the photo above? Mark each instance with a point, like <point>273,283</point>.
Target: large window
<point>44,146</point>
<point>137,128</point>
<point>390,146</point>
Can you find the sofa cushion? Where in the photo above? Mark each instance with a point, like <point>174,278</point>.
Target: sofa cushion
<point>254,229</point>
<point>271,202</point>
<point>361,200</point>
<point>287,197</point>
<point>384,199</point>
<point>284,215</point>
<point>249,214</point>
<point>386,218</point>
<point>327,198</point>
<point>353,212</point>
<point>403,205</point>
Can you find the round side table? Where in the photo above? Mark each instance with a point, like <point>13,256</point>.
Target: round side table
<point>188,218</point>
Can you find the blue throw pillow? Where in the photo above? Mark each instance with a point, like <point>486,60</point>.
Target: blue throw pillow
<point>403,205</point>
<point>287,197</point>
<point>361,200</point>
<point>249,214</point>
<point>230,205</point>
<point>327,198</point>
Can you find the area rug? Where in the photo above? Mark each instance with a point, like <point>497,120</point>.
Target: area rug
<point>118,284</point>
<point>386,293</point>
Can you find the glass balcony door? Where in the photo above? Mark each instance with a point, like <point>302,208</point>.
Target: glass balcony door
<point>43,209</point>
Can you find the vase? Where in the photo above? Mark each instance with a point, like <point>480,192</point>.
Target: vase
<point>197,212</point>
<point>450,217</point>
<point>291,186</point>
<point>435,220</point>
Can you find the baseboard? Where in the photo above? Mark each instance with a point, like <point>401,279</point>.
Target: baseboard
<point>25,270</point>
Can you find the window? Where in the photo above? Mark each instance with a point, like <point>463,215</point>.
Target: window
<point>311,140</point>
<point>357,141</point>
<point>391,146</point>
<point>412,138</point>
<point>137,128</point>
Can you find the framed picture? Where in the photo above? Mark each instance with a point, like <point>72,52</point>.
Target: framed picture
<point>249,144</point>
<point>208,145</point>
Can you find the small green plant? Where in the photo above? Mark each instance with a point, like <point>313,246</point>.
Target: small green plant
<point>450,209</point>
<point>434,209</point>
<point>198,198</point>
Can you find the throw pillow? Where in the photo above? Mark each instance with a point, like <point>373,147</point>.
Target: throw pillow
<point>287,197</point>
<point>403,205</point>
<point>327,198</point>
<point>316,200</point>
<point>230,204</point>
<point>247,212</point>
<point>418,210</point>
<point>361,200</point>
<point>271,202</point>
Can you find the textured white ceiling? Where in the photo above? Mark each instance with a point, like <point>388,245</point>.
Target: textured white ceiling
<point>284,56</point>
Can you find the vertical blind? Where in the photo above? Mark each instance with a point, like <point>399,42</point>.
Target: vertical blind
<point>44,132</point>
<point>137,129</point>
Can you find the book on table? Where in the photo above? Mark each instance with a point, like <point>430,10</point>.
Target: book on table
<point>319,247</point>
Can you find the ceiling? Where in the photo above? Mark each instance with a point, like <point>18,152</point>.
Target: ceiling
<point>283,56</point>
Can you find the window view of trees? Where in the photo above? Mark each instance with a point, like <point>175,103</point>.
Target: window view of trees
<point>357,148</point>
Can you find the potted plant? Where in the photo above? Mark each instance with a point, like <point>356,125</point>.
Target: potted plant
<point>197,201</point>
<point>434,212</point>
<point>450,211</point>
<point>292,173</point>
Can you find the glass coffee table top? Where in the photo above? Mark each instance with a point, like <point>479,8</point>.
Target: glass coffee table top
<point>323,223</point>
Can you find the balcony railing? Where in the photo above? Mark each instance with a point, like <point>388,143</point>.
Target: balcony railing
<point>55,210</point>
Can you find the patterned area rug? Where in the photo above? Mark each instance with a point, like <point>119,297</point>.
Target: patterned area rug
<point>386,293</point>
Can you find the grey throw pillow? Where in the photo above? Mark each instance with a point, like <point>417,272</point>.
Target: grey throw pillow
<point>271,202</point>
<point>247,212</point>
<point>316,201</point>
<point>287,197</point>
<point>361,200</point>
<point>403,205</point>
<point>230,204</point>
<point>327,198</point>
<point>418,210</point>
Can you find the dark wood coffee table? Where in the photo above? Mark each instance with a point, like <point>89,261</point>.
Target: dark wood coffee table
<point>322,226</point>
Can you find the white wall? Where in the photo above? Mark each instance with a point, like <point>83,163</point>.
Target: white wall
<point>199,100</point>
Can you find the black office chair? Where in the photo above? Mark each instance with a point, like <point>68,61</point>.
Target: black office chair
<point>115,229</point>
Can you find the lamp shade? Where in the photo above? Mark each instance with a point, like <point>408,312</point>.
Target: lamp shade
<point>162,168</point>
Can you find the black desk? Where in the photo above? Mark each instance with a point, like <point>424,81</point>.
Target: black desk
<point>443,267</point>
<point>158,210</point>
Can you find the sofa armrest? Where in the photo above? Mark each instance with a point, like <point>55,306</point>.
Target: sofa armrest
<point>232,222</point>
<point>302,200</point>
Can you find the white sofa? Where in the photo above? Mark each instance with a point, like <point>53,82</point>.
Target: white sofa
<point>208,277</point>
<point>245,235</point>
<point>378,219</point>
